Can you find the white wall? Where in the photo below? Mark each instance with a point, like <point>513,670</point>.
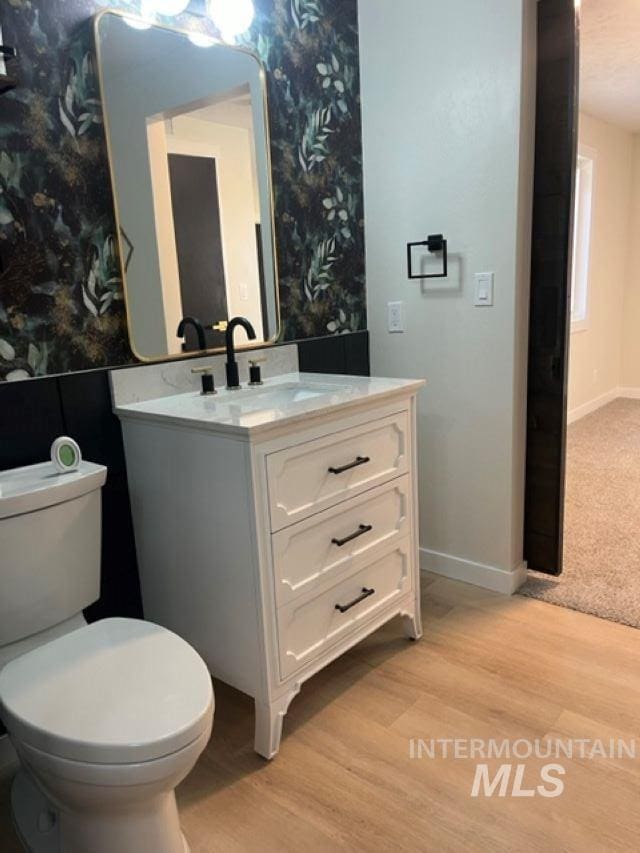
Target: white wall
<point>448,111</point>
<point>165,233</point>
<point>596,351</point>
<point>630,368</point>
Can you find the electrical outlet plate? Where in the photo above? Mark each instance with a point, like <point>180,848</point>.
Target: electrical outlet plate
<point>395,317</point>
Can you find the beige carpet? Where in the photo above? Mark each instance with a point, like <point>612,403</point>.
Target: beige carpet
<point>602,518</point>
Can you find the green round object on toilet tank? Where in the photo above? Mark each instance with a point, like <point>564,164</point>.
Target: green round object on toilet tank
<point>67,455</point>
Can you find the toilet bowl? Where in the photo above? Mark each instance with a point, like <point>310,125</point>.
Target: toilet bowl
<point>106,720</point>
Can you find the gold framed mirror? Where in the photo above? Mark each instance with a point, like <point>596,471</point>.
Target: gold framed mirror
<point>187,128</point>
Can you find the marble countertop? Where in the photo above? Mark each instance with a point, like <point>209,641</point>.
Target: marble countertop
<point>284,399</point>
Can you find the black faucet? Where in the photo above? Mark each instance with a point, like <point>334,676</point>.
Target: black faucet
<point>233,377</point>
<point>197,325</point>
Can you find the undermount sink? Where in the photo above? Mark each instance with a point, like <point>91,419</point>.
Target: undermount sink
<point>276,396</point>
<point>285,398</point>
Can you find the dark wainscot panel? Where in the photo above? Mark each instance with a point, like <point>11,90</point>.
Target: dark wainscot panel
<point>32,415</point>
<point>346,354</point>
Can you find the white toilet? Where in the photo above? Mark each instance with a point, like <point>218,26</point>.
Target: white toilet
<point>106,718</point>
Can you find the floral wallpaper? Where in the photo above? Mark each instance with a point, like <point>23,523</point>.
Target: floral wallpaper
<point>61,299</point>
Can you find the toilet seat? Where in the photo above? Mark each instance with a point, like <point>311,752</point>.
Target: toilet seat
<point>119,691</point>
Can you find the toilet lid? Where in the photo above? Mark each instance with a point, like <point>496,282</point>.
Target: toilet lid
<point>119,691</point>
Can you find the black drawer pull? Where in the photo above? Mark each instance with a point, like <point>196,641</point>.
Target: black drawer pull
<point>359,460</point>
<point>364,594</point>
<point>362,528</point>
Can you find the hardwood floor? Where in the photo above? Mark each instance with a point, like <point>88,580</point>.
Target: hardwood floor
<point>488,667</point>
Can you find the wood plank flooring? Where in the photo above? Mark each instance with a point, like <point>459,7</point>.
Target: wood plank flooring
<point>488,667</point>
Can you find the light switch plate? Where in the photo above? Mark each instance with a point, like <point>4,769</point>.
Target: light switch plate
<point>483,293</point>
<point>395,316</point>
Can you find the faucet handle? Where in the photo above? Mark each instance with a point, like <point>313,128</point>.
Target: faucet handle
<point>208,384</point>
<point>255,377</point>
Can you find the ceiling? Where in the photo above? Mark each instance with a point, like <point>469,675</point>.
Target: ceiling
<point>234,111</point>
<point>610,61</point>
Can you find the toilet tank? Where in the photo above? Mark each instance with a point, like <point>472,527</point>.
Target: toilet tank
<point>50,533</point>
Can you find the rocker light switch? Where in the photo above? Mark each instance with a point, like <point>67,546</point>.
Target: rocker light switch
<point>483,289</point>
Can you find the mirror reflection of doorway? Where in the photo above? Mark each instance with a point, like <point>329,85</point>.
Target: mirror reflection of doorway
<point>196,222</point>
<point>204,173</point>
<point>600,553</point>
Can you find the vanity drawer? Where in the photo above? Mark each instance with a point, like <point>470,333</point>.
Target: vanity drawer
<point>310,477</point>
<point>315,551</point>
<point>308,627</point>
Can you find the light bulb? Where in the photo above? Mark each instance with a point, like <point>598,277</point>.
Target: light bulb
<point>136,23</point>
<point>231,17</point>
<point>201,40</point>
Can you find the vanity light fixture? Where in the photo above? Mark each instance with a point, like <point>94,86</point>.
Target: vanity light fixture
<point>231,17</point>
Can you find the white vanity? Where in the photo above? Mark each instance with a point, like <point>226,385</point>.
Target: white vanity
<point>276,526</point>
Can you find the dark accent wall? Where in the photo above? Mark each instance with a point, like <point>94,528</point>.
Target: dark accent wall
<point>555,159</point>
<point>61,299</point>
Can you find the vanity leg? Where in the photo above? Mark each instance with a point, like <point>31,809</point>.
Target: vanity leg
<point>412,622</point>
<point>269,720</point>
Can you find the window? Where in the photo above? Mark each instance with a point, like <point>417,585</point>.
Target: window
<point>582,239</point>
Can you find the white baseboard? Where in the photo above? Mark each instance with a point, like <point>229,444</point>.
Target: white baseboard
<point>8,759</point>
<point>598,402</point>
<point>478,574</point>
<point>593,405</point>
<point>629,393</point>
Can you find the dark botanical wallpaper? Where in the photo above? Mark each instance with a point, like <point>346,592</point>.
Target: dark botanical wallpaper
<point>61,301</point>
